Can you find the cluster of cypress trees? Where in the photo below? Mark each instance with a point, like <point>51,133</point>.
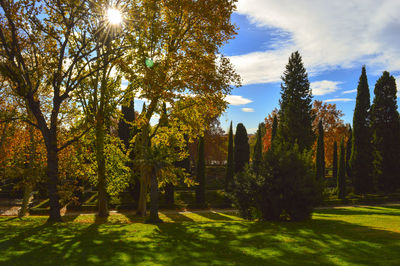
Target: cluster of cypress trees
<point>375,159</point>
<point>371,159</point>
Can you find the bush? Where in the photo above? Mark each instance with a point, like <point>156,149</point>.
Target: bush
<point>286,188</point>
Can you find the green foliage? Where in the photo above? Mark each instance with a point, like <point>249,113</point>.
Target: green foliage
<point>286,189</point>
<point>117,172</point>
<point>257,155</point>
<point>385,134</point>
<point>241,150</point>
<point>230,162</point>
<point>320,156</point>
<point>295,114</point>
<point>200,174</point>
<point>348,153</point>
<point>335,160</point>
<point>274,128</point>
<point>361,153</point>
<point>245,191</point>
<point>341,177</point>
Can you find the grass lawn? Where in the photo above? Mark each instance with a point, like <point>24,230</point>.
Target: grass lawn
<point>369,235</point>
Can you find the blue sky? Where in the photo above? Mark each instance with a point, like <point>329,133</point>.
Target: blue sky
<point>335,38</point>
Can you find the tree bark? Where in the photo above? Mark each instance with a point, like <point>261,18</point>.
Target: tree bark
<point>154,218</point>
<point>169,194</point>
<point>142,196</point>
<point>52,174</point>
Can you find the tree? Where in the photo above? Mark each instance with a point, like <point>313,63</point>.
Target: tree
<point>333,125</point>
<point>361,153</point>
<point>320,156</point>
<point>126,131</point>
<point>257,155</point>
<point>42,63</point>
<point>270,128</point>
<point>229,163</point>
<point>348,153</point>
<point>200,175</point>
<point>385,133</point>
<point>335,161</point>
<point>341,177</point>
<point>274,128</point>
<point>185,68</point>
<point>295,114</point>
<point>241,150</point>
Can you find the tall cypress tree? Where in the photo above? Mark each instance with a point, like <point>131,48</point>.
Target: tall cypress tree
<point>295,115</point>
<point>229,163</point>
<point>241,150</point>
<point>257,155</point>
<point>201,175</point>
<point>348,153</point>
<point>361,153</point>
<point>126,132</point>
<point>320,156</point>
<point>334,162</point>
<point>385,133</point>
<point>341,177</point>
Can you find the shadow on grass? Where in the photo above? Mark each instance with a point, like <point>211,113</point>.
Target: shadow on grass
<point>312,242</point>
<point>214,216</point>
<point>177,217</point>
<point>379,210</point>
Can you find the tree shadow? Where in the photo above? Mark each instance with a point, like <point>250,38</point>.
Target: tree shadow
<point>177,217</point>
<point>379,210</point>
<point>214,216</point>
<point>318,241</point>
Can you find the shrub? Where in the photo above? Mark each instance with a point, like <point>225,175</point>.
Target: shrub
<point>286,189</point>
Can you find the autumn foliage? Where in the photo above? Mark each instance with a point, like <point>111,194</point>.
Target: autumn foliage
<point>334,127</point>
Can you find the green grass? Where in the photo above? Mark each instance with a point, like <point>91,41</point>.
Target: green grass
<point>347,236</point>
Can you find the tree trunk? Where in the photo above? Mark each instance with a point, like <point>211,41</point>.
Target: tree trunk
<point>52,174</point>
<point>25,200</point>
<point>101,169</point>
<point>169,194</point>
<point>154,199</point>
<point>142,196</point>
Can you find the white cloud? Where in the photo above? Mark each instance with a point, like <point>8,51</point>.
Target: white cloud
<point>252,130</point>
<point>328,34</point>
<point>350,91</point>
<point>237,100</point>
<point>324,87</point>
<point>248,110</point>
<point>340,100</point>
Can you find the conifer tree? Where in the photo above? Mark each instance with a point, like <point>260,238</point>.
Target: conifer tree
<point>334,162</point>
<point>241,150</point>
<point>126,132</point>
<point>348,153</point>
<point>361,153</point>
<point>295,115</point>
<point>200,174</point>
<point>320,156</point>
<point>257,155</point>
<point>385,133</point>
<point>229,163</point>
<point>341,177</point>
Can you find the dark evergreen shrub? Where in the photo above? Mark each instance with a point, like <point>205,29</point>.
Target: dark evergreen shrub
<point>286,189</point>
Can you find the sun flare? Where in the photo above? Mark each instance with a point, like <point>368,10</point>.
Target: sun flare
<point>114,16</point>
